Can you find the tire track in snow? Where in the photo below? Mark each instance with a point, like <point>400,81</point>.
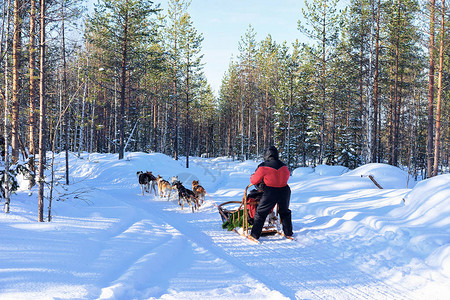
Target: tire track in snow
<point>149,274</point>
<point>140,250</point>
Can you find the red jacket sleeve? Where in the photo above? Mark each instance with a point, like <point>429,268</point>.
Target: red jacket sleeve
<point>258,176</point>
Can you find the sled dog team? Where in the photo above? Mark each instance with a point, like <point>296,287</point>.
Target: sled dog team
<point>194,198</point>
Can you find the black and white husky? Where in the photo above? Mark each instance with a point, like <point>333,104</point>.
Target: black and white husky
<point>147,181</point>
<point>186,196</point>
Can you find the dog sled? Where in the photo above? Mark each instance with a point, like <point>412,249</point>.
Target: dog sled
<point>238,216</point>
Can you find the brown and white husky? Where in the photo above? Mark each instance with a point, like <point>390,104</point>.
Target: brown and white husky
<point>199,191</point>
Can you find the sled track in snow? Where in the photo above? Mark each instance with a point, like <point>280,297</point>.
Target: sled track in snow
<point>319,265</point>
<point>296,270</point>
<point>308,271</point>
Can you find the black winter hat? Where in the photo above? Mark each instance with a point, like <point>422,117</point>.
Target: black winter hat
<point>271,153</point>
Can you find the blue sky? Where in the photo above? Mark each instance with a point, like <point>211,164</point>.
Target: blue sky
<point>224,22</point>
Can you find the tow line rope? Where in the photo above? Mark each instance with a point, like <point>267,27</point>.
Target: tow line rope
<point>213,202</point>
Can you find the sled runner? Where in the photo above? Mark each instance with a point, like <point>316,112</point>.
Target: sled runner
<point>238,216</point>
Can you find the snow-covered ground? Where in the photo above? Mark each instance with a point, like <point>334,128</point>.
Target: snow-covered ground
<point>108,241</point>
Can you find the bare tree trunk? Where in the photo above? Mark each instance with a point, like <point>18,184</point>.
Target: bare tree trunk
<point>83,107</point>
<point>324,88</point>
<point>439,96</point>
<point>187,128</point>
<point>52,179</point>
<point>333,130</point>
<point>115,112</point>
<point>164,120</point>
<point>242,120</point>
<point>397,145</point>
<point>369,112</point>
<point>123,81</point>
<point>42,111</point>
<point>229,149</point>
<point>175,95</point>
<point>16,56</point>
<point>78,111</point>
<point>242,125</point>
<point>390,120</point>
<point>257,113</point>
<point>91,137</point>
<point>32,100</point>
<point>249,130</point>
<point>431,92</point>
<point>396,105</point>
<point>375,89</point>
<point>64,90</point>
<point>291,97</point>
<point>208,142</point>
<point>416,126</point>
<point>266,117</point>
<point>155,126</point>
<point>362,113</point>
<point>6,101</point>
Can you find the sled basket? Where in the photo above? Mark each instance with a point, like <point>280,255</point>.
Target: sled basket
<point>235,214</point>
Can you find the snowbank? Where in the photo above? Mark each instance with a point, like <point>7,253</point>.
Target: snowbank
<point>325,170</point>
<point>427,204</point>
<point>426,215</point>
<point>320,170</point>
<point>301,172</point>
<point>389,177</point>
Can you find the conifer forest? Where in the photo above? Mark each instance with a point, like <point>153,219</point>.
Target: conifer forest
<point>370,83</point>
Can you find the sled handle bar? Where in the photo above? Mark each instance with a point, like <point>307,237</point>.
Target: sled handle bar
<point>245,216</point>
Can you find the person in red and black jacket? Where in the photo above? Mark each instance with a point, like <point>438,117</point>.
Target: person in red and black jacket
<point>275,175</point>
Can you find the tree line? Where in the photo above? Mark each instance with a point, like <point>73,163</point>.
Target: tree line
<point>368,83</point>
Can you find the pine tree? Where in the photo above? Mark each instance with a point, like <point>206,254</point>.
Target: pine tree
<point>402,38</point>
<point>120,28</point>
<point>375,127</point>
<point>359,30</point>
<point>322,25</point>
<point>177,9</point>
<point>229,108</point>
<point>269,71</point>
<point>190,45</point>
<point>247,67</point>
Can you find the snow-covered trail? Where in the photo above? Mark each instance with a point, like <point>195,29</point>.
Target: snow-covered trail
<point>296,269</point>
<point>177,259</point>
<point>120,244</point>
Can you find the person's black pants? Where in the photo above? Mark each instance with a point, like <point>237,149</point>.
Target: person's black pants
<point>270,198</point>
